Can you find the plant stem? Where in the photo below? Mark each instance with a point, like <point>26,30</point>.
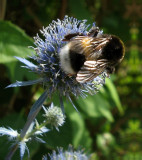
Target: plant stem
<point>33,113</point>
<point>11,153</point>
<point>2,9</point>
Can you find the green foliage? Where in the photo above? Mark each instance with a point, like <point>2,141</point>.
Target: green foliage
<point>94,106</point>
<point>79,10</point>
<point>14,42</point>
<point>109,123</point>
<point>113,94</point>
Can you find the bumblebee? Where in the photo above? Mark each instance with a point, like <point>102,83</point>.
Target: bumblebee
<point>87,56</point>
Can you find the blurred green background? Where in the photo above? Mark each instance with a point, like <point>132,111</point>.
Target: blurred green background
<point>110,125</point>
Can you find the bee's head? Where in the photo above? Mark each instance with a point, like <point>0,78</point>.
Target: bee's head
<point>114,49</point>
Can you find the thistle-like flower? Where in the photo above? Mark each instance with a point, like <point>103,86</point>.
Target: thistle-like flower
<point>21,143</point>
<point>70,154</point>
<point>48,66</point>
<point>54,116</point>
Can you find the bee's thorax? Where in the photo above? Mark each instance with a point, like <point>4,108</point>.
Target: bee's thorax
<point>113,50</point>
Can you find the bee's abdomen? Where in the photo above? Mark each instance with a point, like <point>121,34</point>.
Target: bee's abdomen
<point>77,60</point>
<point>71,60</point>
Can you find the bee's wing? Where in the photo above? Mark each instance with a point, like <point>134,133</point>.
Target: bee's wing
<point>90,70</point>
<point>91,45</point>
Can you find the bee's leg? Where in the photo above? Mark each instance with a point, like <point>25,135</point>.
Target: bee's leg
<point>110,70</point>
<point>71,35</point>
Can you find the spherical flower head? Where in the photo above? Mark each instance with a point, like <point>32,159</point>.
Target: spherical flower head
<point>54,116</point>
<point>48,63</point>
<point>48,66</point>
<point>47,56</point>
<point>70,154</point>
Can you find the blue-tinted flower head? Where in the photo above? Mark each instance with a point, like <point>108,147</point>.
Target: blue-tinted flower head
<point>48,57</point>
<point>33,133</point>
<point>13,136</point>
<point>70,154</point>
<point>47,64</point>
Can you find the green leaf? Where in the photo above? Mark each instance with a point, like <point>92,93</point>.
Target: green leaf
<point>103,107</point>
<point>96,106</point>
<point>89,106</point>
<point>80,133</point>
<point>14,42</point>
<point>114,94</point>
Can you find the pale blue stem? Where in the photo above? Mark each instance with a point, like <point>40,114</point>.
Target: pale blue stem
<point>33,113</point>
